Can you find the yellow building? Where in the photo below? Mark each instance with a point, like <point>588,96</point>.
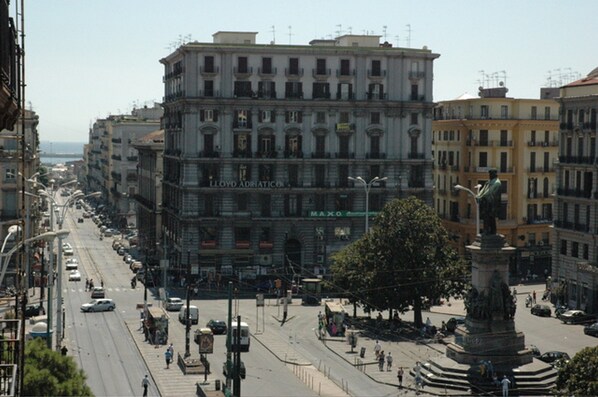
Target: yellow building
<point>517,137</point>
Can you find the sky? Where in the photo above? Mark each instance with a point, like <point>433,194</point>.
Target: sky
<point>89,59</point>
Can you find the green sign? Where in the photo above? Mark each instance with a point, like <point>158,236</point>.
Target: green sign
<point>339,214</point>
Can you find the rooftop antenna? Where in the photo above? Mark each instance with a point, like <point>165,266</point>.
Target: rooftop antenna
<point>273,34</point>
<point>350,30</point>
<point>290,33</point>
<point>503,74</point>
<point>339,32</point>
<point>481,72</point>
<point>384,31</point>
<point>408,35</point>
<point>397,39</point>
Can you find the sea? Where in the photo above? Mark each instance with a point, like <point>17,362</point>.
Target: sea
<point>55,148</point>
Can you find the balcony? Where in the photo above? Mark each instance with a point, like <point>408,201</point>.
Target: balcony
<point>266,94</point>
<point>417,75</point>
<point>209,154</point>
<point>271,154</point>
<point>242,124</point>
<point>209,71</point>
<point>295,154</point>
<point>246,154</point>
<point>293,94</point>
<point>267,72</point>
<point>376,74</point>
<point>242,244</point>
<point>344,155</point>
<point>320,155</point>
<point>266,245</point>
<point>321,73</point>
<point>345,73</point>
<point>373,96</point>
<point>208,244</point>
<point>293,72</point>
<point>416,156</point>
<point>375,155</point>
<point>243,72</point>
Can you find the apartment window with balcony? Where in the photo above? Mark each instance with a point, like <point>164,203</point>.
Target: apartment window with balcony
<point>266,116</point>
<point>504,138</point>
<point>241,143</point>
<point>321,66</point>
<point>546,161</point>
<point>265,205</point>
<point>376,91</point>
<point>414,118</point>
<point>242,89</point>
<point>484,138</point>
<point>210,172</point>
<point>532,210</point>
<point>242,65</point>
<point>209,205</point>
<point>533,137</point>
<point>547,211</point>
<point>267,65</point>
<point>592,149</point>
<point>320,145</point>
<point>321,91</point>
<point>374,171</point>
<point>265,172</point>
<point>547,113</point>
<point>266,89</point>
<point>545,188</point>
<point>565,212</point>
<point>345,67</point>
<point>293,89</point>
<point>484,111</point>
<point>208,88</point>
<point>208,64</point>
<point>451,158</point>
<point>532,162</point>
<point>342,202</point>
<point>483,159</point>
<point>243,172</point>
<point>321,117</point>
<point>563,247</point>
<point>343,175</point>
<point>293,145</point>
<point>376,68</point>
<point>294,66</point>
<point>343,117</point>
<point>208,143</point>
<point>293,116</point>
<point>344,91</point>
<point>320,175</point>
<point>266,144</point>
<point>581,116</point>
<point>532,187</point>
<point>242,119</point>
<point>569,118</point>
<point>414,92</point>
<point>414,146</point>
<point>375,146</point>
<point>374,117</point>
<point>241,200</point>
<point>343,143</point>
<point>534,113</point>
<point>292,204</point>
<point>293,174</point>
<point>580,148</point>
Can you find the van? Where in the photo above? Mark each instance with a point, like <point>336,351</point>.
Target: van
<point>193,314</point>
<point>244,340</point>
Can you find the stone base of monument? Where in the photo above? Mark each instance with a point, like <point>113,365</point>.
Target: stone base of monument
<point>444,376</point>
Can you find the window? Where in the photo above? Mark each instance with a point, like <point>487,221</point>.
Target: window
<point>575,249</point>
<point>320,202</point>
<point>343,175</point>
<point>376,68</point>
<point>265,172</point>
<point>342,202</point>
<point>293,89</point>
<point>266,89</point>
<point>293,116</point>
<point>242,65</point>
<point>504,112</point>
<point>343,146</point>
<point>344,91</point>
<point>320,175</point>
<point>293,174</point>
<point>241,140</point>
<point>293,145</point>
<point>375,118</point>
<point>343,117</point>
<point>294,66</point>
<point>241,200</point>
<point>10,174</point>
<point>414,92</point>
<point>483,137</point>
<point>586,251</point>
<point>321,90</point>
<point>321,66</point>
<point>534,112</point>
<point>266,143</point>
<point>504,138</point>
<point>342,233</point>
<point>320,145</point>
<point>265,205</point>
<point>532,162</point>
<point>243,89</point>
<point>484,112</point>
<point>375,146</point>
<point>320,117</point>
<point>292,204</point>
<point>345,67</point>
<point>208,64</point>
<point>243,172</point>
<point>267,116</point>
<point>242,119</point>
<point>414,118</point>
<point>483,159</point>
<point>267,65</point>
<point>547,113</point>
<point>208,115</point>
<point>208,88</point>
<point>376,91</point>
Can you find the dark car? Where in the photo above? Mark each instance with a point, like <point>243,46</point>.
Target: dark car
<point>80,220</point>
<point>218,327</point>
<point>554,358</point>
<point>32,311</point>
<point>591,329</point>
<point>541,310</point>
<point>576,317</point>
<point>242,370</point>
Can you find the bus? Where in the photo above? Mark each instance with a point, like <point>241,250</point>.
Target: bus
<point>245,337</point>
<point>311,290</point>
<point>335,318</point>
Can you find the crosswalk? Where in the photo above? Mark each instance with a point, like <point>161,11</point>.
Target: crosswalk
<point>108,290</point>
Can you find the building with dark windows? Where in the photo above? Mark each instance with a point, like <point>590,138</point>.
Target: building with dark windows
<point>260,142</point>
<point>10,62</point>
<point>575,270</point>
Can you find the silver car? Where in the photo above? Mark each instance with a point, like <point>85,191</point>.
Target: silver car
<point>98,305</point>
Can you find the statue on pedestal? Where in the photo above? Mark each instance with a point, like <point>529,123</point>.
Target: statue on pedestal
<point>488,199</point>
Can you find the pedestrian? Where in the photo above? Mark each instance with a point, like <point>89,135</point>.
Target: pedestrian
<point>64,350</point>
<point>534,297</point>
<point>90,284</point>
<point>381,361</point>
<point>377,349</point>
<point>86,284</point>
<point>168,357</point>
<point>418,377</point>
<point>400,376</point>
<point>145,384</point>
<point>171,349</point>
<point>388,362</point>
<point>102,282</point>
<point>505,386</point>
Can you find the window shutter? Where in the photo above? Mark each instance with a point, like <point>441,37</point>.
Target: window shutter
<point>338,91</point>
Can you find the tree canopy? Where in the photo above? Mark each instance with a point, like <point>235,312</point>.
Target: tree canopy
<point>579,377</point>
<point>405,258</point>
<point>48,373</point>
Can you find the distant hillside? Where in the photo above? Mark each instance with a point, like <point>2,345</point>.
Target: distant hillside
<point>61,147</point>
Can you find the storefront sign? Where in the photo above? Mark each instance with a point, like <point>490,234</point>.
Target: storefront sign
<point>247,184</point>
<point>339,214</point>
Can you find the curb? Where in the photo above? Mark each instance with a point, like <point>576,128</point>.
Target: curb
<point>144,360</point>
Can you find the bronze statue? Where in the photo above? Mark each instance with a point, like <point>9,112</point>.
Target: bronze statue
<point>488,199</point>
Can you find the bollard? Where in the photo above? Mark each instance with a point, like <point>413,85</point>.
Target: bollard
<point>362,352</point>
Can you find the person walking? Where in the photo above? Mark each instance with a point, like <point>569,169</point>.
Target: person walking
<point>505,386</point>
<point>145,384</point>
<point>534,297</point>
<point>381,361</point>
<point>377,349</point>
<point>400,373</point>
<point>168,357</point>
<point>86,284</point>
<point>388,362</point>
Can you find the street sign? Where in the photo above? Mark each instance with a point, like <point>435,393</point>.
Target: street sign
<point>340,214</point>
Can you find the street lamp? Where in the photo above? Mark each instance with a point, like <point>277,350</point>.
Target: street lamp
<point>367,186</point>
<point>477,205</point>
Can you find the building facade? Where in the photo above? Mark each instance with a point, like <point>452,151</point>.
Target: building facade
<point>10,62</point>
<point>517,137</point>
<point>260,142</point>
<point>575,271</point>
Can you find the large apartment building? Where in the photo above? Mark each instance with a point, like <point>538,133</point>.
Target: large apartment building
<point>261,139</point>
<point>575,251</point>
<point>517,137</point>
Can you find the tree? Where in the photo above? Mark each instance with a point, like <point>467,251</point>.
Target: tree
<point>579,377</point>
<point>48,373</point>
<point>405,259</point>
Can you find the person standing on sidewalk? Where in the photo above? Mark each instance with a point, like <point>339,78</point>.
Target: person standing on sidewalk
<point>505,386</point>
<point>381,361</point>
<point>145,384</point>
<point>168,357</point>
<point>377,349</point>
<point>400,373</point>
<point>388,362</point>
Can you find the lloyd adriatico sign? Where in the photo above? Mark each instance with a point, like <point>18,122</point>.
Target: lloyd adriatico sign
<point>247,184</point>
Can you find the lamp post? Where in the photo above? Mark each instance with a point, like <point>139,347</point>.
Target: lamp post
<point>477,205</point>
<point>367,186</point>
<point>188,313</point>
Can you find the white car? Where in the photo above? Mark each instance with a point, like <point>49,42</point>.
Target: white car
<point>173,304</point>
<point>98,305</point>
<point>67,249</point>
<point>75,275</point>
<point>72,264</point>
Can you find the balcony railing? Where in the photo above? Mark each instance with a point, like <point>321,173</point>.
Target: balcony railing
<point>319,73</point>
<point>209,244</point>
<point>266,245</point>
<point>267,72</point>
<point>377,74</point>
<point>242,244</point>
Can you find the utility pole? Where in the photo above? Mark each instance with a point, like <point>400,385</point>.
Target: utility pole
<point>229,334</point>
<point>188,312</point>
<point>237,372</point>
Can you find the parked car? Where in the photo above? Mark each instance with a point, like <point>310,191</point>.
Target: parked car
<point>67,249</point>
<point>173,304</point>
<point>591,329</point>
<point>135,266</point>
<point>121,251</point>
<point>242,371</point>
<point>98,292</point>
<point>32,311</point>
<point>72,264</point>
<point>554,358</point>
<point>75,275</point>
<point>79,220</point>
<point>576,317</point>
<point>541,310</point>
<point>110,232</point>
<point>98,305</point>
<point>218,327</point>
